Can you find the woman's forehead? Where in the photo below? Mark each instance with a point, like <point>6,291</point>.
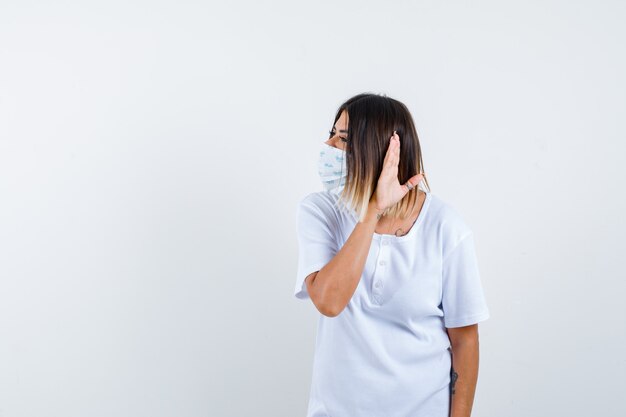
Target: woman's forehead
<point>342,122</point>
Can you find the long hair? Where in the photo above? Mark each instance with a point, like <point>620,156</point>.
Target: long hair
<point>372,118</point>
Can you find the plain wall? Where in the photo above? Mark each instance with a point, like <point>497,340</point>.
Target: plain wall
<point>152,154</point>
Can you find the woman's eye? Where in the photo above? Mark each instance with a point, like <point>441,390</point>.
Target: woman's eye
<point>333,133</point>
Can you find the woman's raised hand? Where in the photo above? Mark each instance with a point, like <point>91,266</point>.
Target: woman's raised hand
<point>389,190</point>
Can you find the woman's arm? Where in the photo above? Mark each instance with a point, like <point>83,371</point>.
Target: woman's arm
<point>465,358</point>
<point>332,287</point>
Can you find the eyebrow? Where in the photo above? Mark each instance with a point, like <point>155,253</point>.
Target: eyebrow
<point>341,131</point>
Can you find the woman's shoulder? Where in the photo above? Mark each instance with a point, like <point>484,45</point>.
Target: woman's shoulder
<point>316,197</point>
<point>323,203</point>
<point>322,200</point>
<point>318,208</point>
<point>448,219</point>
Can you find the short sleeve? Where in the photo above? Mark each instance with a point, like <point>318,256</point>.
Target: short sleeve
<point>316,243</point>
<point>463,300</point>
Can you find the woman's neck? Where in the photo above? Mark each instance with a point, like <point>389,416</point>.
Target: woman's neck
<point>398,226</point>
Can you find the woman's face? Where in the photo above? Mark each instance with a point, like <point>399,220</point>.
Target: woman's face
<point>339,132</point>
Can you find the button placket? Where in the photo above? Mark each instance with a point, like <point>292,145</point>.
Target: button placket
<point>378,282</point>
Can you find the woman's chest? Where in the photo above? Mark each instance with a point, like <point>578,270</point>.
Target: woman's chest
<point>401,279</point>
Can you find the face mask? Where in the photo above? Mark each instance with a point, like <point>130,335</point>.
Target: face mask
<point>332,168</point>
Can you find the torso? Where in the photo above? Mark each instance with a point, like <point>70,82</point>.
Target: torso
<point>399,227</point>
<point>392,332</point>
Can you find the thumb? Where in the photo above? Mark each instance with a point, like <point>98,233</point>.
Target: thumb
<point>413,182</point>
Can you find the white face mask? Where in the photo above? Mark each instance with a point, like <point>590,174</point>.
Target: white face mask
<point>332,168</point>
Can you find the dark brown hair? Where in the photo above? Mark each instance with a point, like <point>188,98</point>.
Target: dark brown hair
<point>372,118</point>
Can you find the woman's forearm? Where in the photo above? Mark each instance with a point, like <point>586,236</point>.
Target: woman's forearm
<point>336,282</point>
<point>465,358</point>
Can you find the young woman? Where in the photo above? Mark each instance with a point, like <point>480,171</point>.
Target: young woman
<point>392,270</point>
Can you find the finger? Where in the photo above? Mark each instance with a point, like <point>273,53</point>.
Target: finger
<point>413,182</point>
<point>396,151</point>
<point>388,161</point>
<point>394,158</point>
<point>389,151</point>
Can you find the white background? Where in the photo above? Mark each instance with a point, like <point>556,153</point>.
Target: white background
<point>152,154</point>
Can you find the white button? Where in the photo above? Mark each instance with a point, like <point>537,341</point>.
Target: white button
<point>381,263</point>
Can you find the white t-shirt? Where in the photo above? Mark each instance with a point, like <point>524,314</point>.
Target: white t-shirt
<point>387,353</point>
